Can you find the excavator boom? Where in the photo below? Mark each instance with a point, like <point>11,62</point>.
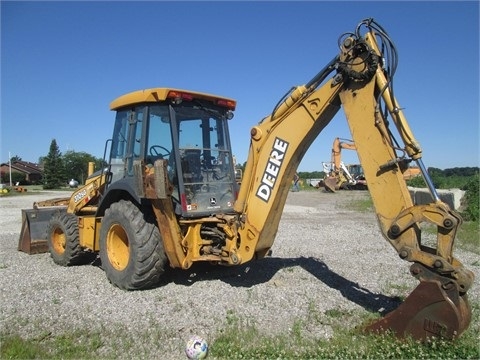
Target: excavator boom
<point>362,86</point>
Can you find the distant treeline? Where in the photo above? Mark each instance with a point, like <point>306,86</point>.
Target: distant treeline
<point>311,175</point>
<point>457,171</point>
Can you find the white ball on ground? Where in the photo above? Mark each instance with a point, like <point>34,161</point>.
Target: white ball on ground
<point>197,348</point>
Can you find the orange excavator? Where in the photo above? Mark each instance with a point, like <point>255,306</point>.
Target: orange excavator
<point>339,175</point>
<point>351,176</point>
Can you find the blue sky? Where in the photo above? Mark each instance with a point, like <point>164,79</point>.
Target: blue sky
<point>62,63</point>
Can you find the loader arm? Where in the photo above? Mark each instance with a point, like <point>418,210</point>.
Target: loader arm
<point>362,87</point>
<point>86,198</point>
<point>83,201</point>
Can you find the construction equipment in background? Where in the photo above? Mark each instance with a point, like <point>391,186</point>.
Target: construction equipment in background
<point>351,176</point>
<point>338,176</point>
<point>341,177</point>
<point>238,171</point>
<point>356,171</point>
<point>411,172</point>
<point>169,196</point>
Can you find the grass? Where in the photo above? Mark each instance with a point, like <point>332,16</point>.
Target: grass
<point>237,342</point>
<point>29,190</point>
<point>238,338</point>
<point>70,345</point>
<point>468,236</point>
<point>361,205</point>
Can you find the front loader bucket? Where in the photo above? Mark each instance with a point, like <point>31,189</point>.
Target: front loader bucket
<point>432,310</point>
<point>33,236</point>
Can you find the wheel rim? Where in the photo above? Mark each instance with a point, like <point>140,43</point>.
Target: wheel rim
<point>118,250</point>
<point>58,241</point>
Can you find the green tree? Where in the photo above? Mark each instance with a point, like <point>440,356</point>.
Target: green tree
<point>76,165</point>
<point>471,199</point>
<point>15,158</point>
<point>16,178</point>
<point>311,174</point>
<point>435,171</point>
<point>242,166</point>
<point>417,182</point>
<point>53,170</point>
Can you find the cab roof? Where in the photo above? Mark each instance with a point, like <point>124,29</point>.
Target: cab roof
<point>162,94</point>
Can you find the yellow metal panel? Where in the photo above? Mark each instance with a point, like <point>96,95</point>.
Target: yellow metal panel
<point>156,95</point>
<point>273,161</point>
<point>89,231</point>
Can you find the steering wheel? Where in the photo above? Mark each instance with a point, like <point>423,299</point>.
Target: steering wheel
<point>155,151</point>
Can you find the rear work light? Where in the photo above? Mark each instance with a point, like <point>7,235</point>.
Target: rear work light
<point>229,104</point>
<point>177,96</point>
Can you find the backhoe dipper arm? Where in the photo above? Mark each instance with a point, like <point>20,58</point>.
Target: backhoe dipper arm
<point>362,85</point>
<point>338,145</point>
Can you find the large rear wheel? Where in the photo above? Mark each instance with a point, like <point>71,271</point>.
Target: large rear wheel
<point>131,249</point>
<point>64,242</point>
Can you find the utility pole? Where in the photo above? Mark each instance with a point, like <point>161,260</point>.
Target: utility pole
<point>10,167</point>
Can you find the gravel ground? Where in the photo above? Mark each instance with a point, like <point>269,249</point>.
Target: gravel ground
<point>325,258</point>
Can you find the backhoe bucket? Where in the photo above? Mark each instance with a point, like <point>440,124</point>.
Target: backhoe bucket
<point>33,236</point>
<point>432,310</point>
<point>330,184</point>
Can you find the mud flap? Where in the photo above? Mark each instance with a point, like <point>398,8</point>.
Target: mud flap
<point>33,233</point>
<point>434,309</point>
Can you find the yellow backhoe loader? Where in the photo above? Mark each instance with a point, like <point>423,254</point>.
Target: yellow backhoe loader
<point>169,197</point>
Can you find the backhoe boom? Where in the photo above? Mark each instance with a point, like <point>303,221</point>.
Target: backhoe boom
<point>362,87</point>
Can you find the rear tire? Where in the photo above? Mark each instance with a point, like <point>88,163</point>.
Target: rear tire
<point>64,241</point>
<point>131,249</point>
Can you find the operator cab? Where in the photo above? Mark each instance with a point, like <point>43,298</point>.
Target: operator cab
<point>356,170</point>
<point>189,131</point>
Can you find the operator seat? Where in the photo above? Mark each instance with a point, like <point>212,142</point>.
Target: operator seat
<point>192,165</point>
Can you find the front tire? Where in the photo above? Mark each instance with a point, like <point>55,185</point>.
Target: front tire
<point>131,249</point>
<point>64,241</point>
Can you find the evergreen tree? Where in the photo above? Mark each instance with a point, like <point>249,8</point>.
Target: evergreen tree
<point>54,170</point>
